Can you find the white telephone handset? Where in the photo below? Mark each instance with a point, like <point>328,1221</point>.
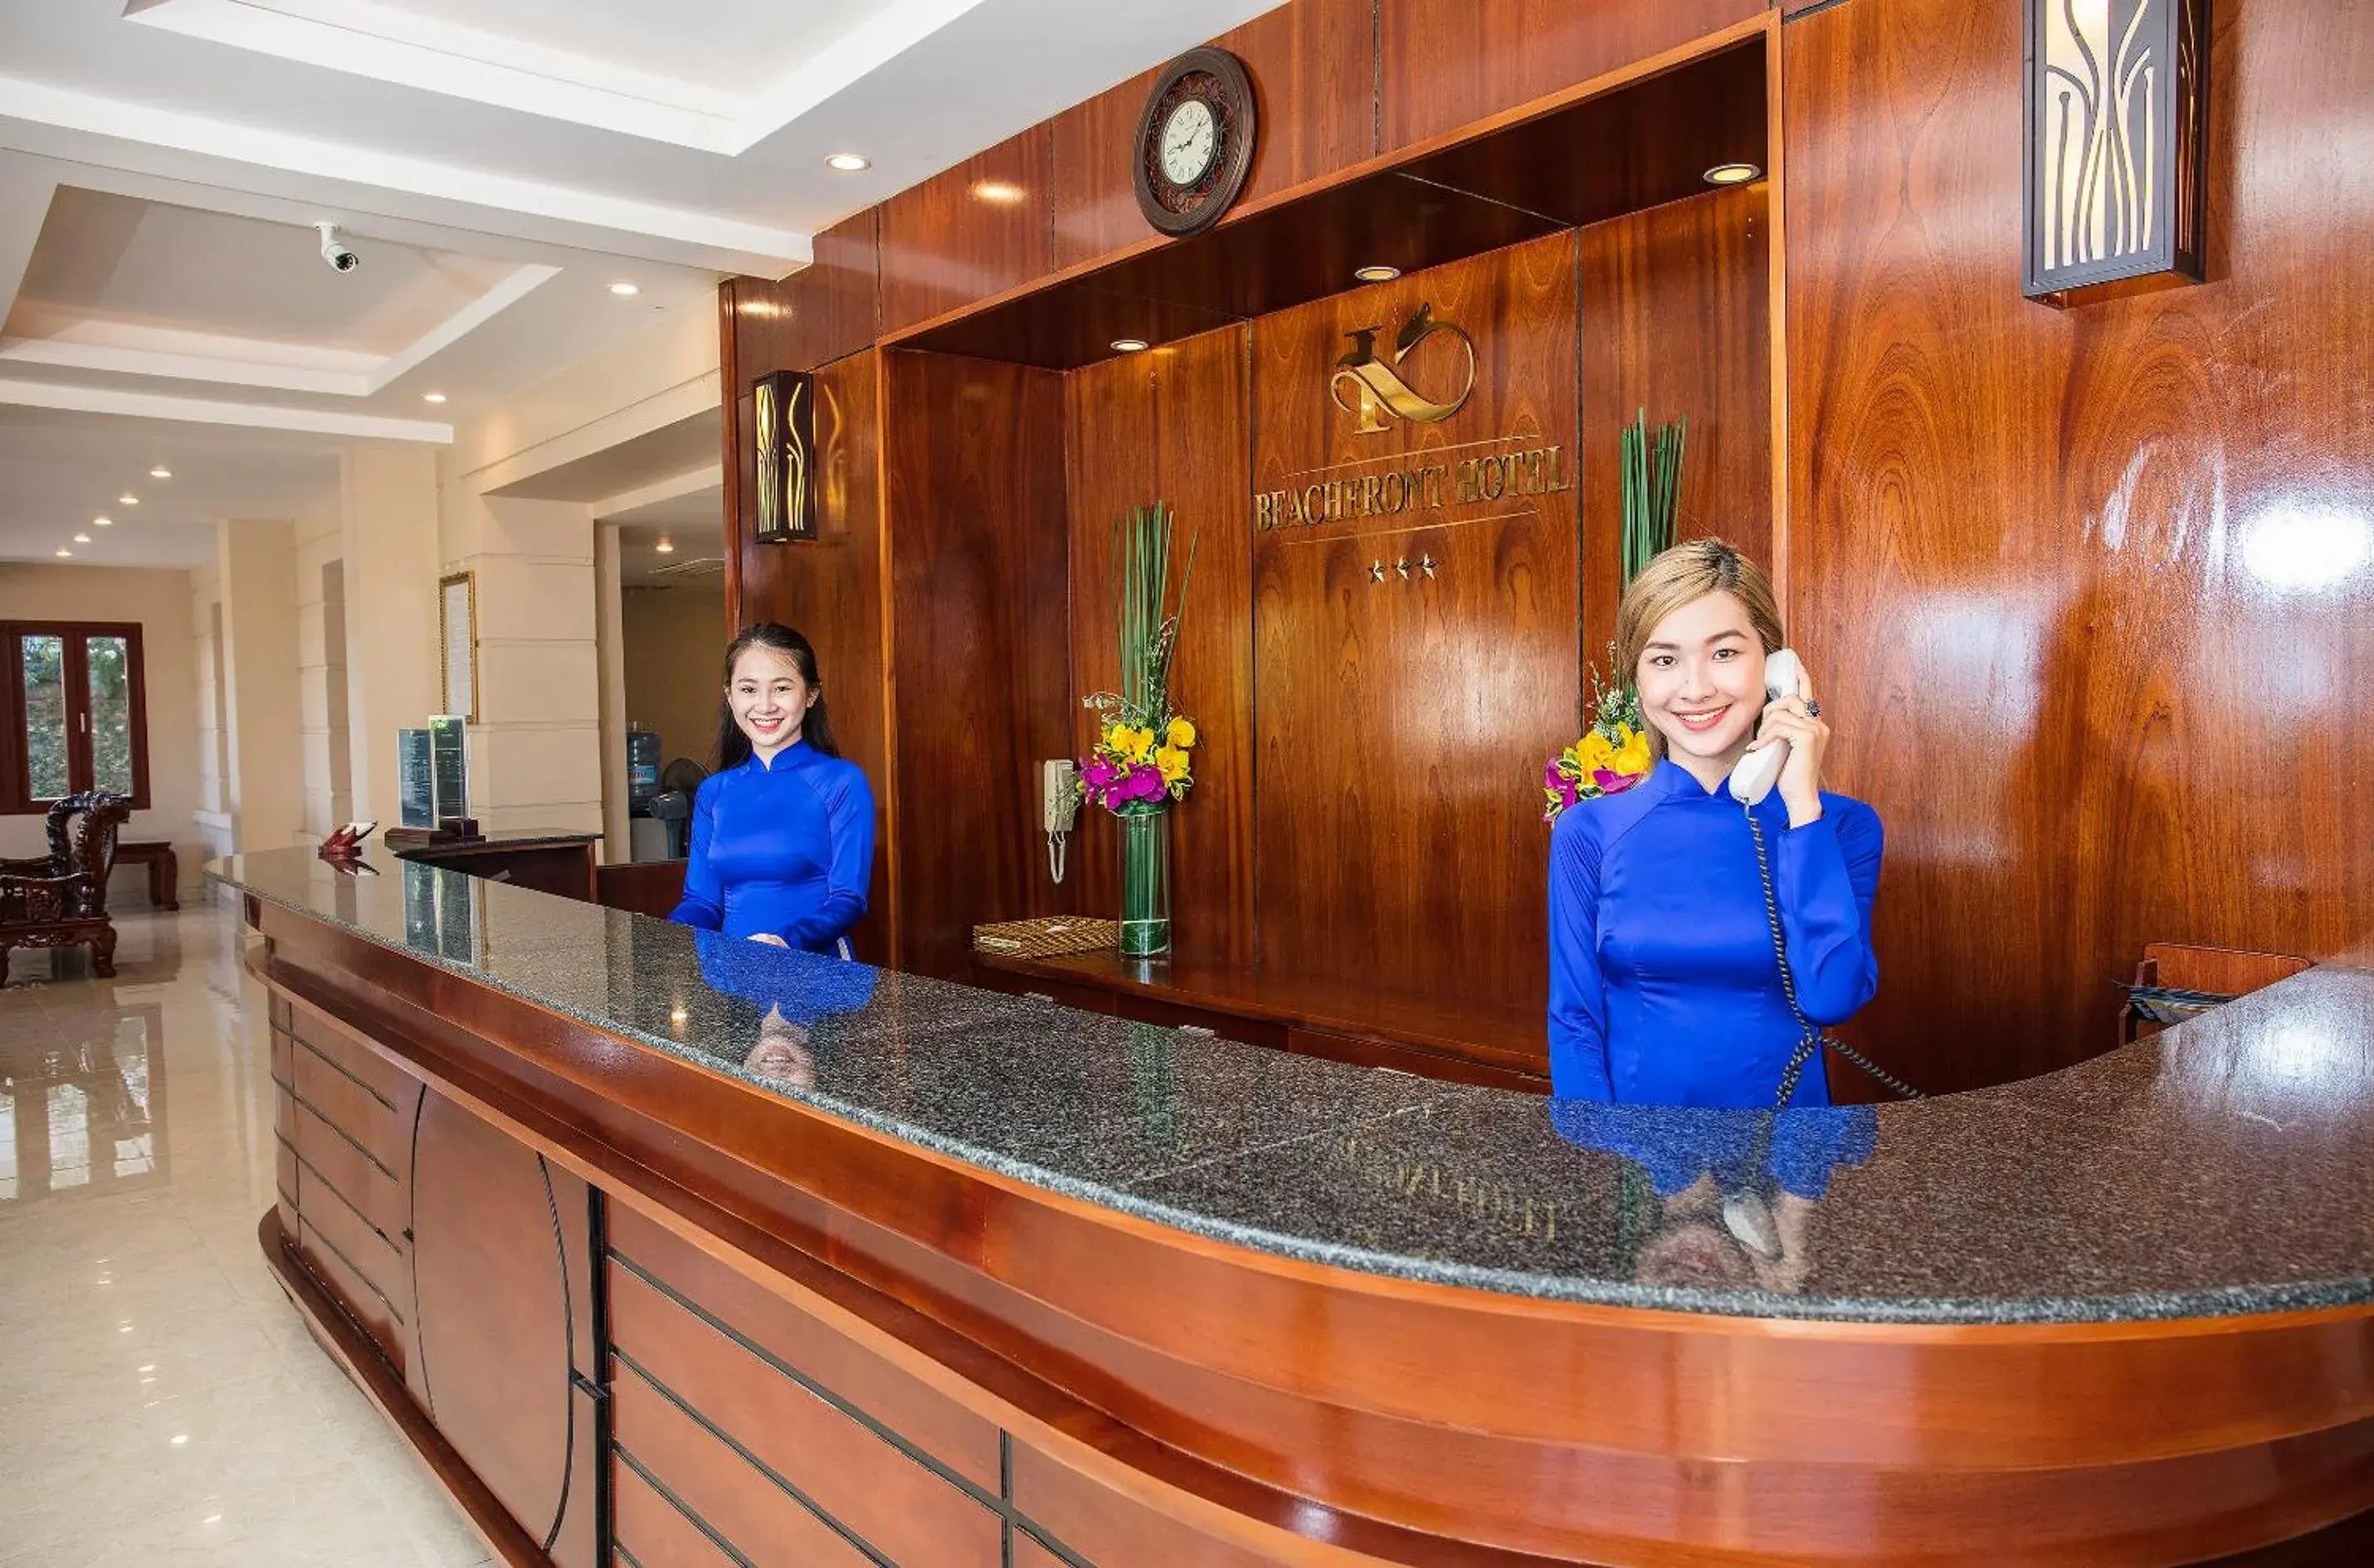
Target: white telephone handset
<point>1058,808</point>
<point>1760,769</point>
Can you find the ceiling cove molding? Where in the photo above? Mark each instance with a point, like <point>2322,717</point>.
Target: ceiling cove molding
<point>388,44</point>
<point>119,134</point>
<point>82,344</point>
<point>692,481</point>
<point>200,411</point>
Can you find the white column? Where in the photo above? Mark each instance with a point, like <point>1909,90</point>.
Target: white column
<point>388,526</point>
<point>536,751</point>
<point>257,565</point>
<point>610,642</point>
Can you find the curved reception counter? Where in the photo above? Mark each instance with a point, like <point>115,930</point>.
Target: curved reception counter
<point>662,1248</point>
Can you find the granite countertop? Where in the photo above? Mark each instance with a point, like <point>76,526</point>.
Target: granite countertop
<point>2219,1168</point>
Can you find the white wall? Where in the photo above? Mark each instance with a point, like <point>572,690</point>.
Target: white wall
<point>672,644</point>
<point>546,752</point>
<point>160,601</point>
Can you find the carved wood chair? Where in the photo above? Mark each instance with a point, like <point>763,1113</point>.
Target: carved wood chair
<point>61,900</point>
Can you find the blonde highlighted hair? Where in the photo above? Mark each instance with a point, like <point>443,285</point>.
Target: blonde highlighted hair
<point>1683,575</point>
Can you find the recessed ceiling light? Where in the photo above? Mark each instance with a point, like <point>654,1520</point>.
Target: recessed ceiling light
<point>848,162</point>
<point>1731,173</point>
<point>432,397</point>
<point>1380,274</point>
<point>160,473</point>
<point>1004,193</point>
<point>128,499</point>
<point>64,551</point>
<point>85,539</point>
<point>1128,344</point>
<point>665,548</point>
<point>102,522</point>
<point>625,290</point>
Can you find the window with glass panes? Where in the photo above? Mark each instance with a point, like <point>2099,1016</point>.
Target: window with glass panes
<point>75,717</point>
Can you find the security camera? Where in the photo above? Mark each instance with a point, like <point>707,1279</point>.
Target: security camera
<point>337,255</point>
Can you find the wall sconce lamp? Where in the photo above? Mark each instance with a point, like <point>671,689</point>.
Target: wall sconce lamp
<point>2117,168</point>
<point>782,449</point>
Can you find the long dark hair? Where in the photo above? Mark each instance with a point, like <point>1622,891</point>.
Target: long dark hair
<point>816,729</point>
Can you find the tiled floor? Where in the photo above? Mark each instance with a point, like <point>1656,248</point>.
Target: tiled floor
<point>161,1403</point>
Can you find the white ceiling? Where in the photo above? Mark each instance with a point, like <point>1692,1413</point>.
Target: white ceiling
<point>63,469</point>
<point>692,523</point>
<point>498,164</point>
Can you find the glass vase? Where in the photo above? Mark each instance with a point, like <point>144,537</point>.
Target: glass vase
<point>1145,883</point>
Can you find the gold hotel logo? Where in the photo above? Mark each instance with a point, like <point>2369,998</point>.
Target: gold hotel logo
<point>1375,385</point>
<point>1391,486</point>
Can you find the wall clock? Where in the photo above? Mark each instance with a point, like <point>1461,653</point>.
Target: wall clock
<point>1194,141</point>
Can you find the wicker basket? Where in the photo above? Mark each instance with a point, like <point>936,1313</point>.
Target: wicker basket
<point>1050,936</point>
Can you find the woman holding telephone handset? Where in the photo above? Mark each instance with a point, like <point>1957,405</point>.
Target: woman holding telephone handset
<point>782,833</point>
<point>1674,903</point>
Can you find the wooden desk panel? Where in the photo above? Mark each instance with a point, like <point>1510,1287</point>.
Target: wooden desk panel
<point>1158,1396</point>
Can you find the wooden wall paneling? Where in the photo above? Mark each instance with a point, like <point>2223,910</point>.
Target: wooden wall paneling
<point>730,429</point>
<point>835,303</point>
<point>830,588</point>
<point>969,231</point>
<point>1404,722</point>
<point>1314,69</point>
<point>1109,414</point>
<point>1174,423</point>
<point>493,1309</point>
<point>2087,593</point>
<point>1096,200</point>
<point>1674,316</point>
<point>1649,142</point>
<point>973,469</point>
<point>1445,63</point>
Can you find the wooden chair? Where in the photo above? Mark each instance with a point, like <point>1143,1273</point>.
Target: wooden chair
<point>60,901</point>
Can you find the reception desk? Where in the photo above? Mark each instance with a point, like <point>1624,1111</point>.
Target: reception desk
<point>663,1249</point>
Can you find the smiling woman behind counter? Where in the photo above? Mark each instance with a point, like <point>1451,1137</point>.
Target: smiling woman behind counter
<point>782,833</point>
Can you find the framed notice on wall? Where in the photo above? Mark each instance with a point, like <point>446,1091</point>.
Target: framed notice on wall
<point>457,643</point>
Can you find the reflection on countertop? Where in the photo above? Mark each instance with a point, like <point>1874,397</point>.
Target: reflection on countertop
<point>2215,1169</point>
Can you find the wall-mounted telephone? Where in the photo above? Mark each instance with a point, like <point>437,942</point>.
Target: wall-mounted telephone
<point>1760,769</point>
<point>1059,807</point>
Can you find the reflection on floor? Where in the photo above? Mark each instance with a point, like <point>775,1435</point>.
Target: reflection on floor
<point>161,1403</point>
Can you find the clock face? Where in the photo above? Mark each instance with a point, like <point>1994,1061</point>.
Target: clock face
<point>1191,140</point>
<point>1194,141</point>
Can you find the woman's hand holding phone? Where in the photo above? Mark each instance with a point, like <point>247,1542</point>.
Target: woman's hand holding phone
<point>1795,717</point>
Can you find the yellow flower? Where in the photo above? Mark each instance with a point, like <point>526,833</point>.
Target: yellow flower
<point>1134,744</point>
<point>1181,734</point>
<point>1632,756</point>
<point>1595,752</point>
<point>1173,763</point>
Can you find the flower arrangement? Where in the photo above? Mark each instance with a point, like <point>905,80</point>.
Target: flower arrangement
<point>1143,756</point>
<point>1613,754</point>
<point>1137,765</point>
<point>1612,757</point>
